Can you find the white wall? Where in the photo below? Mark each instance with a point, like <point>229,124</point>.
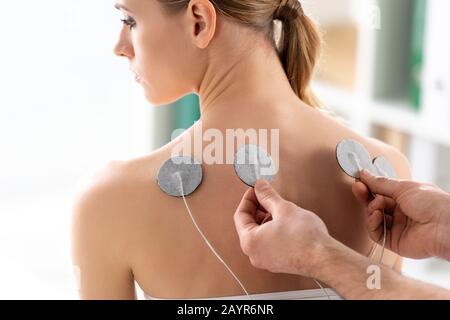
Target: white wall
<point>67,107</point>
<point>329,12</point>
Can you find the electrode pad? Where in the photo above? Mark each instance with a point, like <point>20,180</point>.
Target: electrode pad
<point>184,167</point>
<point>252,163</point>
<point>384,167</point>
<point>353,157</point>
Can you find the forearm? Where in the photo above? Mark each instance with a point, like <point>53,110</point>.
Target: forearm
<point>348,273</point>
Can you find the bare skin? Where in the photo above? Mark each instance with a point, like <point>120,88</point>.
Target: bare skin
<point>126,229</point>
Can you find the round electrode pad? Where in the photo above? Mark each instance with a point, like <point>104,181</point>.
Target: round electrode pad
<point>252,163</point>
<point>184,167</point>
<point>353,157</point>
<point>384,167</point>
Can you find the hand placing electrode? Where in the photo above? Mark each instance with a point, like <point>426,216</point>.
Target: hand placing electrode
<point>296,241</point>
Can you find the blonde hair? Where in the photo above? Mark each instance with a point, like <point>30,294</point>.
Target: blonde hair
<point>300,42</point>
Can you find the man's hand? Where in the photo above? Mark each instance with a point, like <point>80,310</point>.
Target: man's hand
<point>289,242</point>
<point>417,215</point>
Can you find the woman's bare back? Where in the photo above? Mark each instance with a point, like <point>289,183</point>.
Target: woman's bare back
<point>157,243</point>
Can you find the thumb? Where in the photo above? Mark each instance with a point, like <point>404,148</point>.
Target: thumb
<point>391,188</point>
<point>267,196</point>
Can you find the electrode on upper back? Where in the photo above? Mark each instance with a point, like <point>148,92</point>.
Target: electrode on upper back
<point>180,176</point>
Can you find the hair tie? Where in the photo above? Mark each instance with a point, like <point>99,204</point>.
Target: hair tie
<point>288,10</point>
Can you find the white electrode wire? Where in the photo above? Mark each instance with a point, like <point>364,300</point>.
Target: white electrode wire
<point>207,242</point>
<point>358,165</point>
<point>323,289</point>
<point>257,168</point>
<point>374,246</point>
<point>257,173</point>
<point>383,173</point>
<point>373,250</point>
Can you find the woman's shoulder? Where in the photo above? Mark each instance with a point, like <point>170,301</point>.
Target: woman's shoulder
<point>398,160</point>
<point>376,147</point>
<point>123,192</point>
<point>117,184</point>
<point>112,219</point>
<point>115,199</point>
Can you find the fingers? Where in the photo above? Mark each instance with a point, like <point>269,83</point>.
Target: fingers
<point>364,196</point>
<point>375,226</point>
<point>260,216</point>
<point>245,215</point>
<point>256,207</point>
<point>384,186</point>
<point>267,196</point>
<point>361,193</point>
<point>383,204</point>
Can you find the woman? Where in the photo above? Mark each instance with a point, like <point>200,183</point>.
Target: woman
<point>126,230</point>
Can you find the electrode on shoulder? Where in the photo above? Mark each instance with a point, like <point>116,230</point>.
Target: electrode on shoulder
<point>353,157</point>
<point>252,163</point>
<point>172,170</point>
<point>384,167</point>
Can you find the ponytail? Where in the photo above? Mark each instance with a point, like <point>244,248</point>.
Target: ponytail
<point>299,43</point>
<point>299,50</point>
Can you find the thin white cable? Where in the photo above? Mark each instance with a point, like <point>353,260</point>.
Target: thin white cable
<point>256,166</point>
<point>358,165</point>
<point>215,252</point>
<point>258,177</point>
<point>257,169</point>
<point>355,159</point>
<point>207,242</point>
<point>383,173</point>
<point>373,250</point>
<point>384,239</point>
<point>323,289</point>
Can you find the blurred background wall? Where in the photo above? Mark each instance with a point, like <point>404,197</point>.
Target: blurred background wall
<point>385,71</point>
<point>68,106</point>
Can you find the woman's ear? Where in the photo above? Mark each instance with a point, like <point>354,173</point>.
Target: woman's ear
<point>202,19</point>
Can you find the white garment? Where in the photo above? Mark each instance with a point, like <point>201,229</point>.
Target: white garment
<point>313,294</point>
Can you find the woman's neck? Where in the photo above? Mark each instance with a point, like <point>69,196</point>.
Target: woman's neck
<point>244,83</point>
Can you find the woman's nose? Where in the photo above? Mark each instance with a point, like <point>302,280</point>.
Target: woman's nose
<point>123,47</point>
